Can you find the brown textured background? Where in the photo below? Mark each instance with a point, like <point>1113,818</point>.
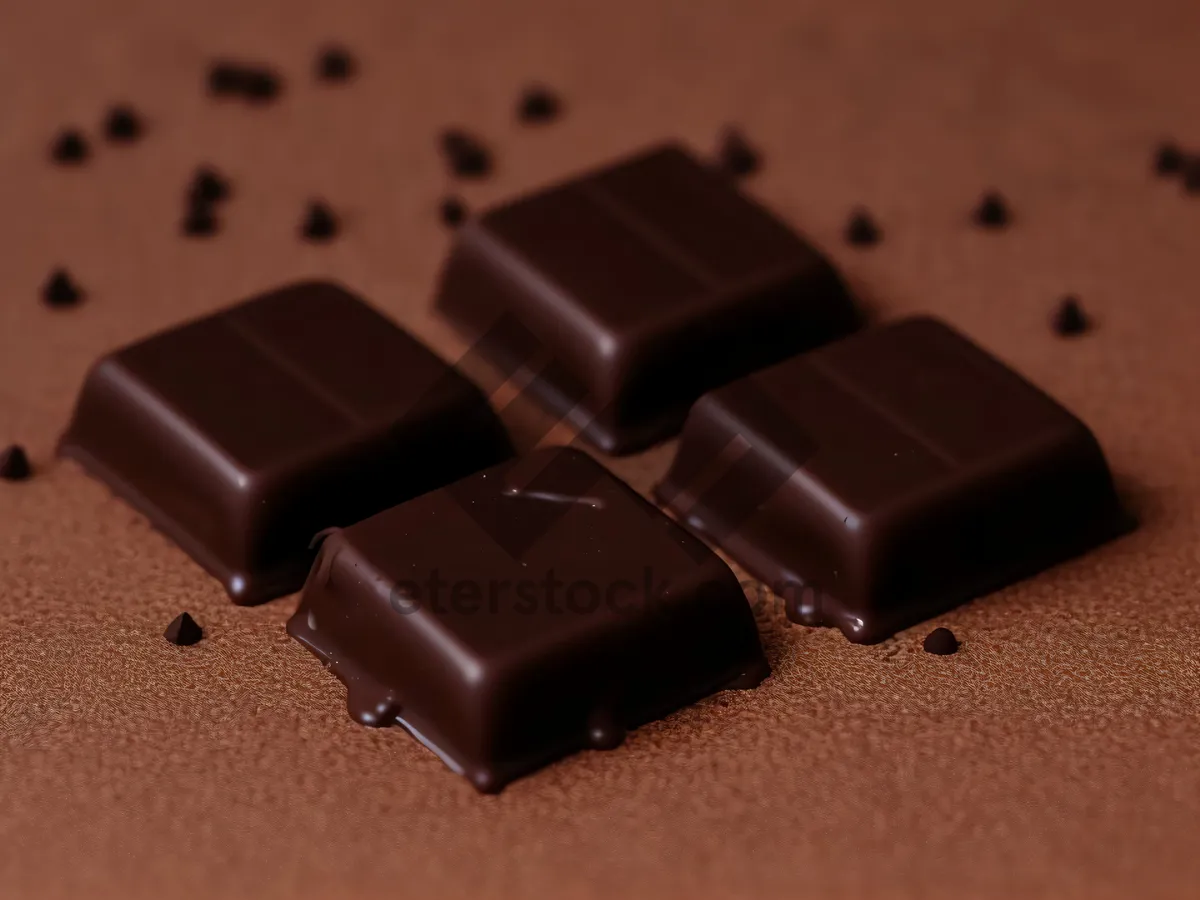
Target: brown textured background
<point>1055,755</point>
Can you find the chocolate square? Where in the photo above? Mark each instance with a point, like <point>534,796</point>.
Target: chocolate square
<point>523,613</point>
<point>889,476</point>
<point>627,292</point>
<point>244,433</point>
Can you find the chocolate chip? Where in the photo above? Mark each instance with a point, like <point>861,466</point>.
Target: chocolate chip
<point>735,155</point>
<point>941,641</point>
<point>335,64</point>
<point>538,104</point>
<point>14,464</point>
<point>226,78</point>
<point>69,148</point>
<point>1069,319</point>
<point>208,186</point>
<point>199,220</point>
<point>123,125</point>
<point>861,230</point>
<point>453,212</point>
<point>261,85</point>
<point>59,290</point>
<point>465,154</point>
<point>320,224</point>
<point>1168,159</point>
<point>183,631</point>
<point>992,211</point>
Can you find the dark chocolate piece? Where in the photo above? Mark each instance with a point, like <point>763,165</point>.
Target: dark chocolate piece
<point>226,78</point>
<point>861,230</point>
<point>889,476</point>
<point>335,64</point>
<point>60,291</point>
<point>941,642</point>
<point>538,105</point>
<point>320,224</point>
<point>453,211</point>
<point>244,433</point>
<point>260,85</point>
<point>627,292</point>
<point>735,155</point>
<point>69,148</point>
<point>465,154</point>
<point>14,464</point>
<point>526,612</point>
<point>1069,319</point>
<point>200,220</point>
<point>1168,159</point>
<point>992,211</point>
<point>208,186</point>
<point>183,631</point>
<point>123,125</point>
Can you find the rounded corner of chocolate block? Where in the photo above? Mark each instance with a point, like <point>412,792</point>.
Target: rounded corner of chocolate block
<point>458,275</point>
<point>756,671</point>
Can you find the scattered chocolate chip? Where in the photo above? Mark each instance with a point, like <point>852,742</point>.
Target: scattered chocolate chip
<point>1191,175</point>
<point>1069,319</point>
<point>992,211</point>
<point>453,211</point>
<point>59,290</point>
<point>199,220</point>
<point>123,125</point>
<point>226,78</point>
<point>1168,159</point>
<point>69,148</point>
<point>320,224</point>
<point>183,631</point>
<point>735,156</point>
<point>861,230</point>
<point>941,641</point>
<point>465,154</point>
<point>14,464</point>
<point>538,104</point>
<point>335,64</point>
<point>261,85</point>
<point>208,186</point>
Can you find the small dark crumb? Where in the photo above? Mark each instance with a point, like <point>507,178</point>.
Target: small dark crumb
<point>255,83</point>
<point>861,230</point>
<point>465,154</point>
<point>123,125</point>
<point>208,186</point>
<point>453,211</point>
<point>735,155</point>
<point>335,64</point>
<point>183,631</point>
<point>1069,319</point>
<point>14,464</point>
<point>1168,159</point>
<point>199,220</point>
<point>1191,175</point>
<point>992,211</point>
<point>320,224</point>
<point>261,85</point>
<point>69,148</point>
<point>60,291</point>
<point>538,104</point>
<point>226,78</point>
<point>941,641</point>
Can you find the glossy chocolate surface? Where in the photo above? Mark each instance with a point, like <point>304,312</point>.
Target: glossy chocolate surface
<point>888,476</point>
<point>627,292</point>
<point>243,434</point>
<point>523,613</point>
